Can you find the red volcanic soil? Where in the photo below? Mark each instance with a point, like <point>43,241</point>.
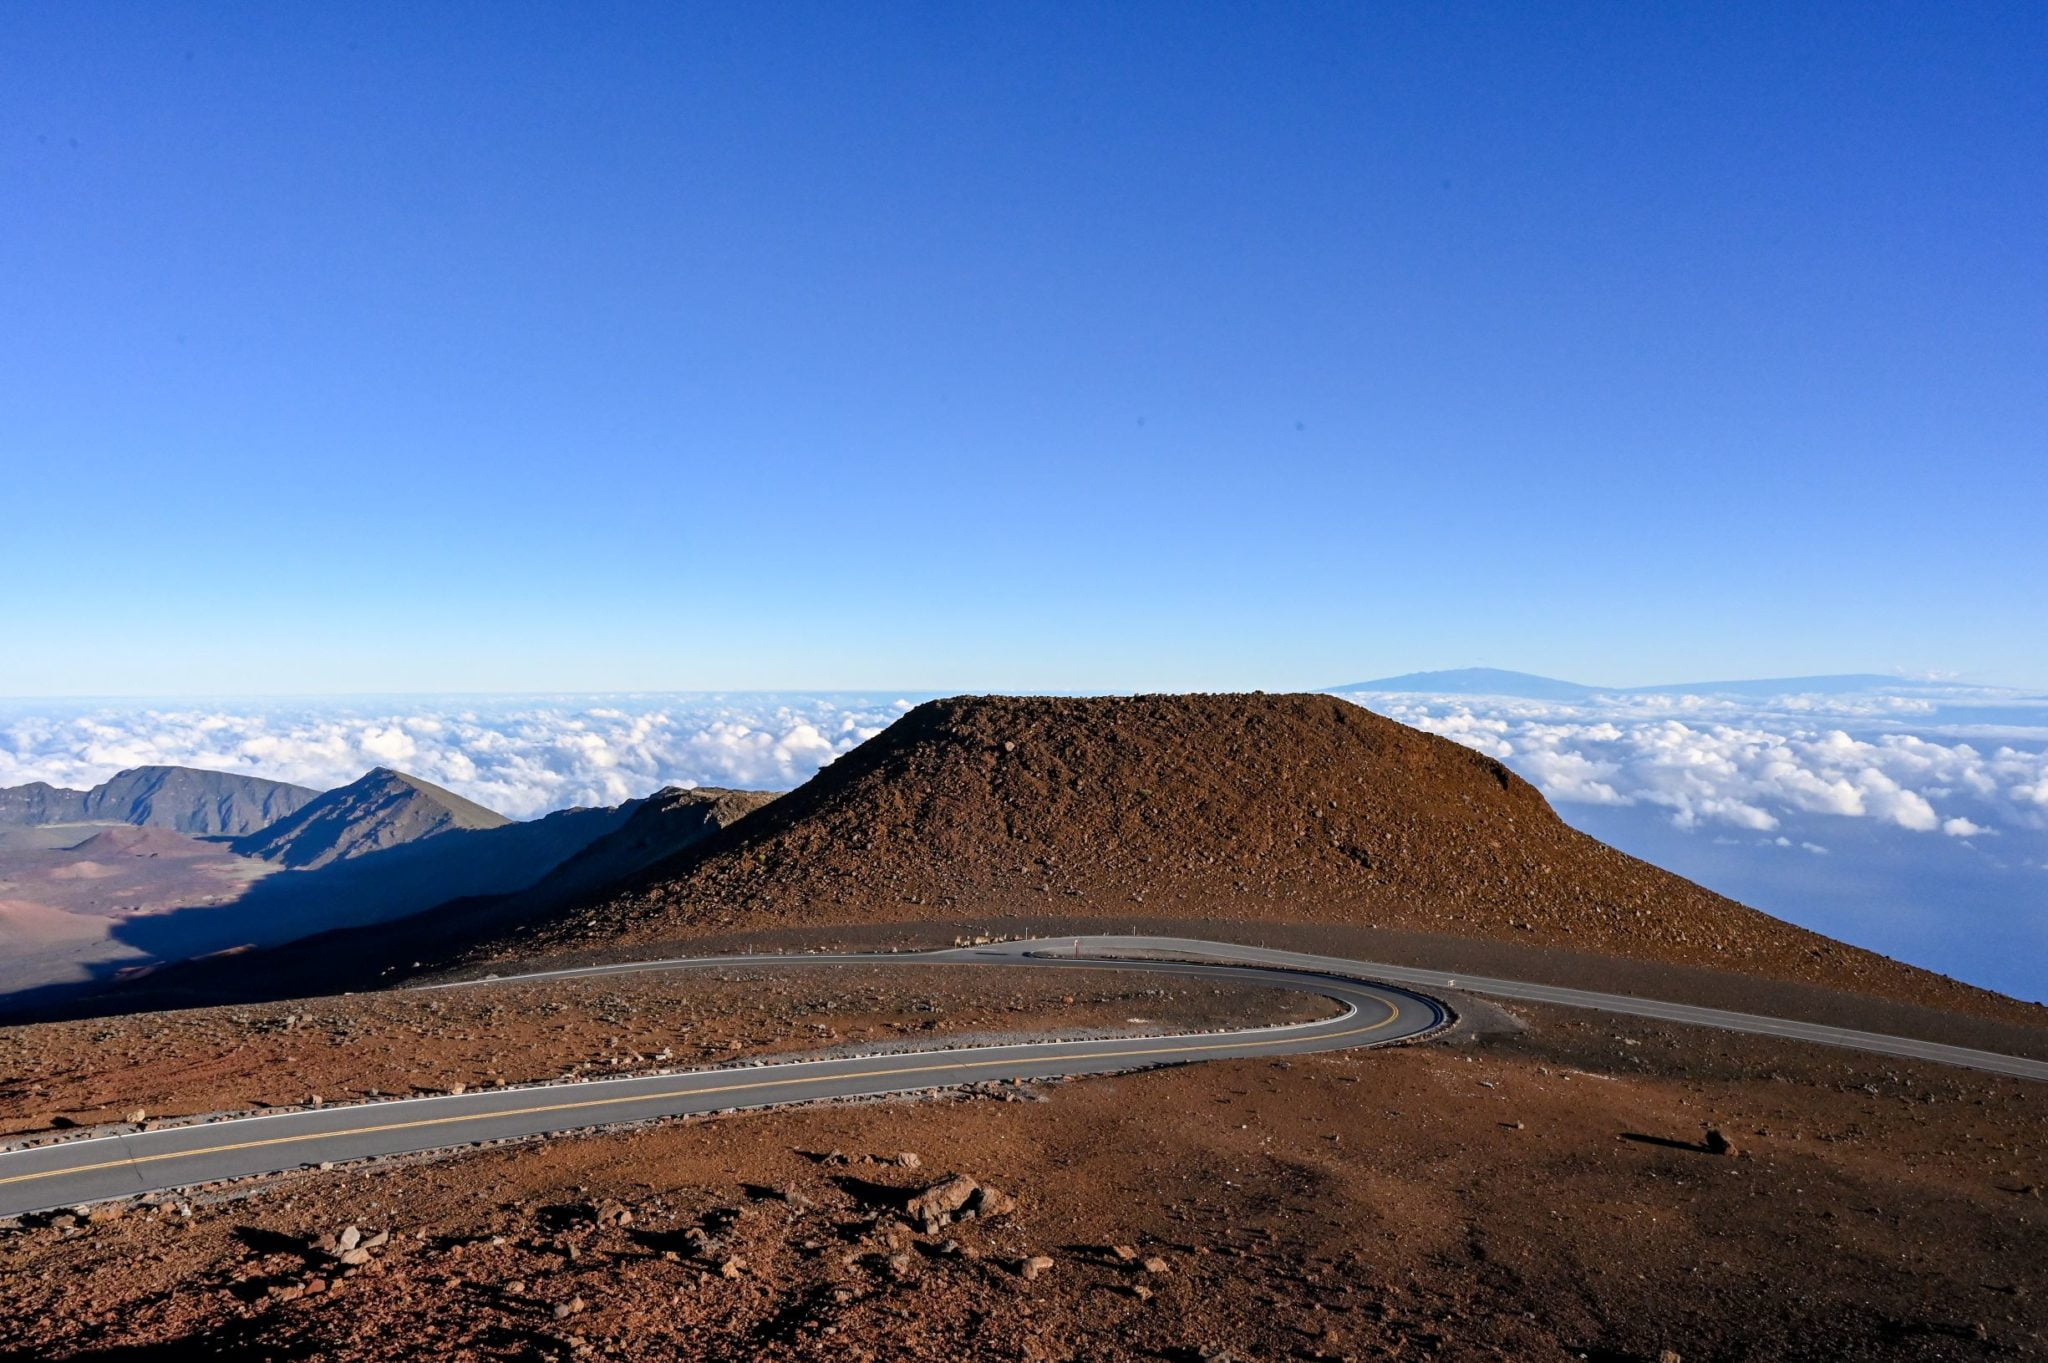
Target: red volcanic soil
<point>1542,1195</point>
<point>120,871</point>
<point>1242,808</point>
<point>128,841</point>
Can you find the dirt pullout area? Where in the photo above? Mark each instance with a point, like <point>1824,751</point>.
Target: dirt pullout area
<point>67,1075</point>
<point>1583,1189</point>
<point>1301,808</point>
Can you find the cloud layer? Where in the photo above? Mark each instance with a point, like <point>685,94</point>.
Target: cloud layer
<point>1718,764</point>
<point>521,757</point>
<point>1704,763</point>
<point>1916,826</point>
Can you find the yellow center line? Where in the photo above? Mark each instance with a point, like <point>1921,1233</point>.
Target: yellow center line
<point>1394,1013</point>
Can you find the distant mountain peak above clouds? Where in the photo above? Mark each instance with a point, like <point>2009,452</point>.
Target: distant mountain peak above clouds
<point>381,809</point>
<point>1494,681</point>
<point>185,799</point>
<point>1478,681</point>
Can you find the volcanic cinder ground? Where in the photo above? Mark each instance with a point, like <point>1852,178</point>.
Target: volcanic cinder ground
<point>1537,1184</point>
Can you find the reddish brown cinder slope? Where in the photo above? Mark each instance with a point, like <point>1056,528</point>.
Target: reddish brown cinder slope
<point>1302,808</point>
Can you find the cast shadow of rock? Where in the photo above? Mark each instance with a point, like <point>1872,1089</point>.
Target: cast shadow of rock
<point>1671,1143</point>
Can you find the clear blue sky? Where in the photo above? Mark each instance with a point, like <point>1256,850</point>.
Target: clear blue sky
<point>506,346</point>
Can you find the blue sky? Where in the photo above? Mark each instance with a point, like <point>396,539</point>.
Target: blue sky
<point>510,347</point>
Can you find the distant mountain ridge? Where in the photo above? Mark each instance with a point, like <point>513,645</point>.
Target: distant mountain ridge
<point>349,924</point>
<point>1494,681</point>
<point>382,809</point>
<point>200,862</point>
<point>185,799</point>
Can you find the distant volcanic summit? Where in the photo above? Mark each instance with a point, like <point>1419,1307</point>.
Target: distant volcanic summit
<point>184,799</point>
<point>382,809</point>
<point>1303,808</point>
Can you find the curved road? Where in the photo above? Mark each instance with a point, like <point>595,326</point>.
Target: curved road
<point>1375,1013</point>
<point>97,1168</point>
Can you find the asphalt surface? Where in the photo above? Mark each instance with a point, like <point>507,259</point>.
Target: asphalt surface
<point>70,1173</point>
<point>1376,1011</point>
<point>1877,1043</point>
<point>1100,947</point>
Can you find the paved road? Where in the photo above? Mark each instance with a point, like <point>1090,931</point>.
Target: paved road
<point>1375,1012</point>
<point>124,1165</point>
<point>1878,1043</point>
<point>1118,946</point>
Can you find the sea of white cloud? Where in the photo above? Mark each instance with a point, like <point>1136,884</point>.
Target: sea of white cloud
<point>1909,762</point>
<point>1915,823</point>
<point>522,757</point>
<point>1942,767</point>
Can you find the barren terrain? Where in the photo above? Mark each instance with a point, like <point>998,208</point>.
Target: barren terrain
<point>68,1075</point>
<point>1543,1194</point>
<point>69,894</point>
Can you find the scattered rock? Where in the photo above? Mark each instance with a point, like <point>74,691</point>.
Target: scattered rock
<point>1123,1253</point>
<point>1717,1143</point>
<point>575,1306</point>
<point>1155,1264</point>
<point>348,1239</point>
<point>733,1267</point>
<point>935,1206</point>
<point>989,1202</point>
<point>908,1159</point>
<point>1029,1269</point>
